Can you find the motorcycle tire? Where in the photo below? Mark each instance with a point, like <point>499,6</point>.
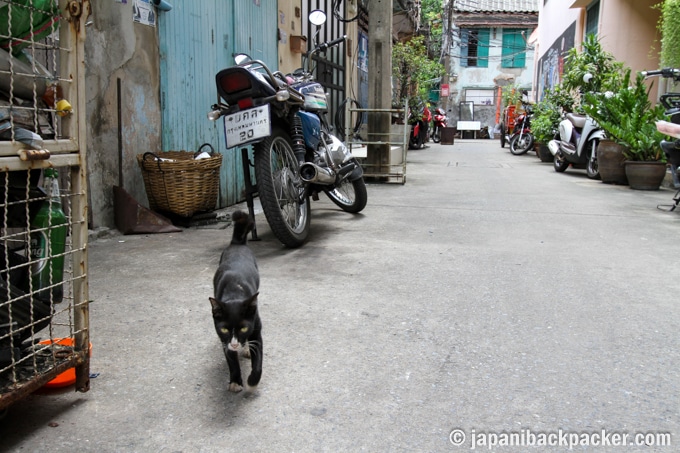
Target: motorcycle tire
<point>281,190</point>
<point>592,168</point>
<point>437,135</point>
<point>502,136</point>
<point>520,144</point>
<point>350,196</point>
<point>560,163</point>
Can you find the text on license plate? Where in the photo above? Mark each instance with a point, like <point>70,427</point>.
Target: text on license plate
<point>247,126</point>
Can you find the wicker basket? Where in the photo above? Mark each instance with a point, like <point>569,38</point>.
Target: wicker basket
<point>181,184</point>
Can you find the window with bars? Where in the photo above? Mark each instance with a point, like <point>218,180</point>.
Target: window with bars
<point>474,47</point>
<point>592,18</point>
<point>514,48</point>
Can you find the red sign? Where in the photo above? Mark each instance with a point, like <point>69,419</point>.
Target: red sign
<point>445,90</point>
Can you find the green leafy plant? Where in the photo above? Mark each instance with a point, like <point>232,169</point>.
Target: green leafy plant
<point>628,117</point>
<point>412,70</point>
<point>548,113</point>
<point>592,59</point>
<point>545,121</point>
<point>669,25</point>
<point>511,95</point>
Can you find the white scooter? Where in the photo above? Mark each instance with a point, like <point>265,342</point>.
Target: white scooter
<point>579,136</point>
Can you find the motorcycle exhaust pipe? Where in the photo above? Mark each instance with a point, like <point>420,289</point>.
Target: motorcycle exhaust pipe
<point>312,173</point>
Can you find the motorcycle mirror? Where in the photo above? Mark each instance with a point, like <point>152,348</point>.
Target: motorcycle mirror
<point>241,58</point>
<point>587,77</point>
<point>317,17</point>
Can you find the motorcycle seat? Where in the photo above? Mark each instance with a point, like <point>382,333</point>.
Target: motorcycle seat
<point>577,120</point>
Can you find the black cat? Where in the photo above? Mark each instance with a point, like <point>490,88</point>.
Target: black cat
<point>234,307</point>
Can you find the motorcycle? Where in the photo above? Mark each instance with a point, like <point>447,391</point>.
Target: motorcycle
<point>439,123</point>
<point>522,139</point>
<point>419,127</point>
<point>671,101</point>
<point>295,155</point>
<point>577,142</point>
<point>415,140</point>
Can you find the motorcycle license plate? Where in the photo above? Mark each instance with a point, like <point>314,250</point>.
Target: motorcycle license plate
<point>247,126</point>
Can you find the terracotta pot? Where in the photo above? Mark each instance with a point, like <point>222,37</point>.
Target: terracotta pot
<point>610,162</point>
<point>645,175</point>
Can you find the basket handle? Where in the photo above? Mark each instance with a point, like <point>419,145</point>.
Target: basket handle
<point>158,161</point>
<point>212,150</point>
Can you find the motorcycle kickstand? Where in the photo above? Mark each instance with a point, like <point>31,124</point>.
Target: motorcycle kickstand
<point>671,207</point>
<point>250,190</point>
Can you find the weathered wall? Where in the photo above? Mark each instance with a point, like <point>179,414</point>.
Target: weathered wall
<point>487,78</point>
<point>290,24</point>
<point>117,48</point>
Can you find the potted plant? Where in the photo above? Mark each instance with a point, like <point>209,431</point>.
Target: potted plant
<point>628,118</point>
<point>547,118</point>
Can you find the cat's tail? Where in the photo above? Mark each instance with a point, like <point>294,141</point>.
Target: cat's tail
<point>243,224</point>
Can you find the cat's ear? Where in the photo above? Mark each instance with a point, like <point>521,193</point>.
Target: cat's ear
<point>250,304</point>
<point>216,310</point>
<point>252,301</point>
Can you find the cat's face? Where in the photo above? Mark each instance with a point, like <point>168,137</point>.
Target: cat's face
<point>234,321</point>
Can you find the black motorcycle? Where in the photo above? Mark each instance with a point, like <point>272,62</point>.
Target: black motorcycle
<point>671,102</point>
<point>295,154</point>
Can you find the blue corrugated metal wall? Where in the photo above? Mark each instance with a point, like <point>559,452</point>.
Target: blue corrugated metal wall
<point>197,39</point>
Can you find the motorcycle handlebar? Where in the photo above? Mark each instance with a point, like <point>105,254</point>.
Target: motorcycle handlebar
<point>335,42</point>
<point>665,72</point>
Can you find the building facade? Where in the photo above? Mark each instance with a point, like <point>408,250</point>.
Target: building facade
<point>488,49</point>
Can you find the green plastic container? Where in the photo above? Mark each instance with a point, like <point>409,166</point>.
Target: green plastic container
<point>48,242</point>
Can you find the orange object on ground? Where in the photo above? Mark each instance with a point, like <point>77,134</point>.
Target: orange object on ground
<point>68,377</point>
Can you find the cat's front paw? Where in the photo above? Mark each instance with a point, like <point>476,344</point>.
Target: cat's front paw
<point>235,387</point>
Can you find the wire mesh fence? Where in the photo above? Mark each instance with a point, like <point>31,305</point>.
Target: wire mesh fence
<point>44,328</point>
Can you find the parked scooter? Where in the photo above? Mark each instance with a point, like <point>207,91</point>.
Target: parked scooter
<point>577,143</point>
<point>671,101</point>
<point>439,123</point>
<point>295,155</point>
<point>419,128</point>
<point>522,139</point>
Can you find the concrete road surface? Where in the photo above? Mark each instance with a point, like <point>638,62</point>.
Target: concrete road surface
<point>488,303</point>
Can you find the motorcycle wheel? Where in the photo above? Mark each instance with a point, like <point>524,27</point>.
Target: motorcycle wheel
<point>281,190</point>
<point>437,135</point>
<point>502,136</point>
<point>350,196</point>
<point>592,167</point>
<point>520,144</point>
<point>560,163</point>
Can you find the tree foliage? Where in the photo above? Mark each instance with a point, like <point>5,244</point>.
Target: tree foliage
<point>670,32</point>
<point>413,72</point>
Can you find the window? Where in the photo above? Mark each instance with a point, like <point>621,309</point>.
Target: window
<point>474,47</point>
<point>592,18</point>
<point>514,48</point>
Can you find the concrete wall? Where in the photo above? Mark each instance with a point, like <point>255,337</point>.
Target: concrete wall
<point>118,48</point>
